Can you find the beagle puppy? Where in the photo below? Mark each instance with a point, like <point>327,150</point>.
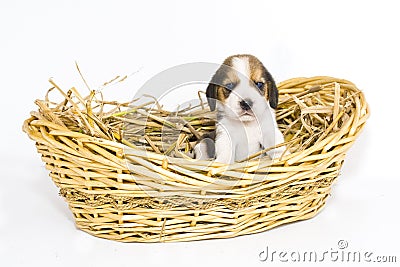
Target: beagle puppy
<point>245,96</point>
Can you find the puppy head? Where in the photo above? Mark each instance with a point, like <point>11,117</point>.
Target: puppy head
<point>242,88</point>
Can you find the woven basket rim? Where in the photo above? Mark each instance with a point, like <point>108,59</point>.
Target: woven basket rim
<point>286,160</point>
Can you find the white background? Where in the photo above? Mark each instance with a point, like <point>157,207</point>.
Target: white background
<point>356,40</point>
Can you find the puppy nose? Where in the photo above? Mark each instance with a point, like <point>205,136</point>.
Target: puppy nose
<point>246,104</point>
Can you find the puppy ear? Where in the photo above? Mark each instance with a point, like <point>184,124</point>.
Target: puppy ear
<point>211,94</point>
<point>273,94</point>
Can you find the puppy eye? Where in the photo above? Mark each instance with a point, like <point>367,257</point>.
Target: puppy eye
<point>230,86</point>
<point>259,85</point>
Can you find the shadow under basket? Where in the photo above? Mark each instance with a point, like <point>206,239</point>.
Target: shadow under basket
<point>125,185</point>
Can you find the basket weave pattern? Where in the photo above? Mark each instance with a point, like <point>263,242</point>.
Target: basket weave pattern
<point>122,192</point>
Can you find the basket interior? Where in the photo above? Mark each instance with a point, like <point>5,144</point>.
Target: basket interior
<point>308,112</point>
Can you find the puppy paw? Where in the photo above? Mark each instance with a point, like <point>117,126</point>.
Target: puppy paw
<point>205,149</point>
<point>224,159</point>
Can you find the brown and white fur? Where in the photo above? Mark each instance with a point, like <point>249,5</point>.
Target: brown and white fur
<point>245,96</point>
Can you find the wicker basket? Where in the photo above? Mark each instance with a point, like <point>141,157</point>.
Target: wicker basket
<point>120,191</point>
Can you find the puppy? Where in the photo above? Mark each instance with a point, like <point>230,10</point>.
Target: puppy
<point>245,96</point>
